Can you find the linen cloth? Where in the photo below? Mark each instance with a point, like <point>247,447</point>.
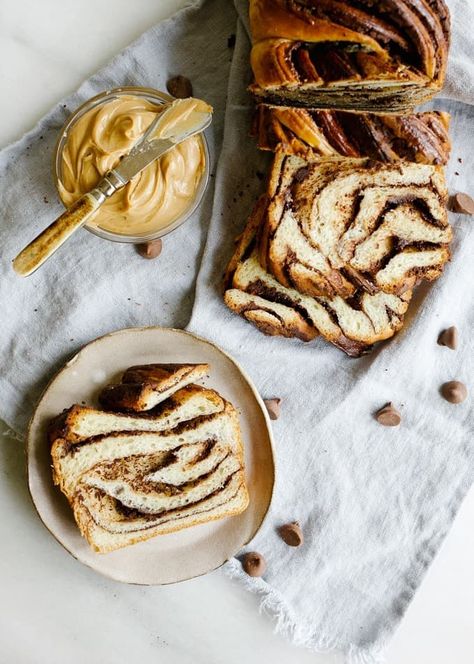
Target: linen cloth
<point>374,503</point>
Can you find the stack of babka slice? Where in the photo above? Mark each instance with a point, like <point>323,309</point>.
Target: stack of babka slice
<point>355,212</point>
<point>165,454</point>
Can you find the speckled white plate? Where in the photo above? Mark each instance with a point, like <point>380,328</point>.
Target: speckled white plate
<point>187,553</point>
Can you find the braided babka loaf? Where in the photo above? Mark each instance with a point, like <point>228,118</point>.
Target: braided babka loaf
<point>384,55</point>
<point>307,132</point>
<point>353,325</point>
<point>131,476</point>
<point>333,227</point>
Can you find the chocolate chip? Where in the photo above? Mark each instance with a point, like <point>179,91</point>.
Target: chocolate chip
<point>180,87</point>
<point>388,416</point>
<point>291,534</point>
<point>150,249</point>
<point>461,203</point>
<point>454,391</point>
<point>273,407</point>
<point>254,564</point>
<point>231,41</point>
<point>301,174</point>
<point>449,338</point>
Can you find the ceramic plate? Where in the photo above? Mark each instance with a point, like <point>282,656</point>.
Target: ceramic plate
<point>165,558</point>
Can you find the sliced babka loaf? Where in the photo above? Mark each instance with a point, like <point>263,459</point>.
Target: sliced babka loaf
<point>332,227</point>
<point>307,132</point>
<point>385,56</point>
<point>353,325</point>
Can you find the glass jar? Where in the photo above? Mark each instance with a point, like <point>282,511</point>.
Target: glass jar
<point>157,98</point>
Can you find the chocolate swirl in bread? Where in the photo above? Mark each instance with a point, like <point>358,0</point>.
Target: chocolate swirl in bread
<point>131,477</point>
<point>333,227</point>
<point>420,137</point>
<point>360,54</point>
<point>353,325</point>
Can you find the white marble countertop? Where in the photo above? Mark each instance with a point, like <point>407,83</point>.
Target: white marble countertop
<point>52,609</point>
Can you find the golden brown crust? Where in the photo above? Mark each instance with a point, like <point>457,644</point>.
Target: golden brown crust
<point>270,19</point>
<point>389,55</point>
<point>143,385</point>
<point>420,137</point>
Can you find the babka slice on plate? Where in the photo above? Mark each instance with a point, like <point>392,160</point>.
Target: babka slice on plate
<point>385,56</point>
<point>129,477</point>
<point>353,324</point>
<point>331,227</point>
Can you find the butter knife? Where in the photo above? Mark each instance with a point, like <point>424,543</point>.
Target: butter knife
<point>147,149</point>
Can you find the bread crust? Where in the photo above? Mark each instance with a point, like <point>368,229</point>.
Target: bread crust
<point>144,387</point>
<point>318,133</point>
<point>386,56</point>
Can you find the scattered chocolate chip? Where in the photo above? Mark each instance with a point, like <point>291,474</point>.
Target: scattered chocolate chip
<point>260,175</point>
<point>231,41</point>
<point>273,407</point>
<point>460,160</point>
<point>254,564</point>
<point>291,534</point>
<point>456,173</point>
<point>462,203</point>
<point>45,200</point>
<point>454,391</point>
<point>180,87</point>
<point>150,249</point>
<point>449,338</point>
<point>388,416</point>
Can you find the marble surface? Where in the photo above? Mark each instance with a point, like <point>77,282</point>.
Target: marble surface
<point>52,608</point>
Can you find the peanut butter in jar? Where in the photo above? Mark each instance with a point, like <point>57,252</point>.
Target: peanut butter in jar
<point>159,198</point>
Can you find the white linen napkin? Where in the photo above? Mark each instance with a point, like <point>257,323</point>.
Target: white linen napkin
<point>374,503</point>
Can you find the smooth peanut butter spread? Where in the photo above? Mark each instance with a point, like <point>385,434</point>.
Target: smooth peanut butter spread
<point>155,197</point>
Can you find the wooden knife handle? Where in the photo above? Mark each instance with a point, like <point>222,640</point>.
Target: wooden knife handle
<point>41,248</point>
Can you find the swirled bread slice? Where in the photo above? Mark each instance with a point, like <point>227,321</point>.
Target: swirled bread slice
<point>308,132</point>
<point>125,487</point>
<point>134,487</point>
<point>144,387</point>
<point>108,526</point>
<point>349,54</point>
<point>352,325</point>
<point>72,459</point>
<point>332,227</point>
<point>80,422</point>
